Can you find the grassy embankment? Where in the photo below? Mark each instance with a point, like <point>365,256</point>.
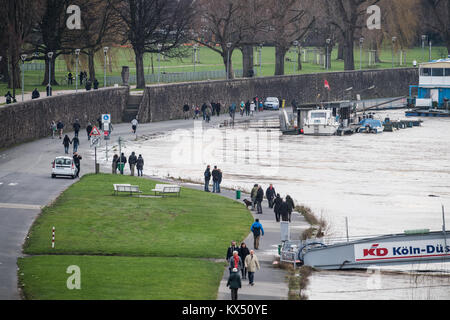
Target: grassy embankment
<point>130,247</point>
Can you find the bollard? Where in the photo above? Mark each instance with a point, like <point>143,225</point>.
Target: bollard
<point>238,194</point>
<point>53,237</point>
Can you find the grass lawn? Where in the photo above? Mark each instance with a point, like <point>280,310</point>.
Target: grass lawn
<point>89,219</point>
<point>130,247</point>
<point>120,278</point>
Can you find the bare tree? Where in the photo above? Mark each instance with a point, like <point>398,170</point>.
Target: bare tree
<point>436,16</point>
<point>150,23</point>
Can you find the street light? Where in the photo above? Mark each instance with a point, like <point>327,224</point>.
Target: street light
<point>105,51</point>
<point>260,59</point>
<point>229,44</point>
<point>328,41</point>
<point>77,53</point>
<point>430,50</point>
<point>195,55</point>
<point>393,44</point>
<point>49,90</point>
<point>159,46</point>
<point>23,57</point>
<point>361,41</point>
<point>424,38</point>
<point>295,43</point>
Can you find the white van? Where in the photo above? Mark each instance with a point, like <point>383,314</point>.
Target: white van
<point>64,166</point>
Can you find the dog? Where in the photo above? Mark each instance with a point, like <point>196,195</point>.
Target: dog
<point>248,203</point>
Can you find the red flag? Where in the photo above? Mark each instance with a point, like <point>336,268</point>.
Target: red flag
<point>327,85</point>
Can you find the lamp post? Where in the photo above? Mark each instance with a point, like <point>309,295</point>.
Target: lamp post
<point>393,44</point>
<point>159,47</point>
<point>77,54</point>
<point>49,90</point>
<point>105,51</point>
<point>424,38</point>
<point>23,57</point>
<point>260,59</point>
<point>328,41</point>
<point>195,55</point>
<point>295,43</point>
<point>430,49</point>
<point>229,44</point>
<point>361,42</point>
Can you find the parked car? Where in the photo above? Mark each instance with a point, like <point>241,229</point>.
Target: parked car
<point>271,103</point>
<point>64,166</point>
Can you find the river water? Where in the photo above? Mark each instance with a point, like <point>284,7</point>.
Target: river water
<point>382,184</point>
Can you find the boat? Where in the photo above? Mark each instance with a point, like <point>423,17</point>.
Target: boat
<point>320,122</point>
<point>371,126</point>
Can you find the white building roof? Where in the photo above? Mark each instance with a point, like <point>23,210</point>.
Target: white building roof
<point>442,63</point>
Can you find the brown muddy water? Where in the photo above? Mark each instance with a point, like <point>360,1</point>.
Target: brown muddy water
<point>383,184</point>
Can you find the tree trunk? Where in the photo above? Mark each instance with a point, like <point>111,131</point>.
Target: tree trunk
<point>349,55</point>
<point>247,61</point>
<point>54,82</point>
<point>299,60</point>
<point>328,58</point>
<point>91,64</point>
<point>230,62</point>
<point>15,79</point>
<point>140,76</point>
<point>280,54</point>
<point>4,74</point>
<point>340,51</point>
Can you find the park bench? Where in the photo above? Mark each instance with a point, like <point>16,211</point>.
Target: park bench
<point>126,188</point>
<point>165,189</point>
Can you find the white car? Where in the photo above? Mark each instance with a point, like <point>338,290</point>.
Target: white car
<point>64,166</point>
<point>272,103</point>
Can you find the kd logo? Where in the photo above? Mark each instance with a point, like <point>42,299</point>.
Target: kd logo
<point>74,281</point>
<point>374,21</point>
<point>74,20</point>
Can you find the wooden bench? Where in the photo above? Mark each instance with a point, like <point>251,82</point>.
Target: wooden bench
<point>126,188</point>
<point>165,189</point>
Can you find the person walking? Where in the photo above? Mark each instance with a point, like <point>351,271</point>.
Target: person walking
<point>218,106</point>
<point>270,195</point>
<point>253,195</point>
<point>277,205</point>
<point>76,127</point>
<point>122,163</point>
<point>66,143</point>
<point>252,265</point>
<point>132,160</point>
<point>242,108</point>
<point>207,175</point>
<point>140,166</point>
<point>196,112</point>
<point>204,107</point>
<point>115,163</point>
<point>60,128</point>
<point>220,181</point>
<point>134,124</point>
<point>243,253</point>
<point>291,206</point>
<point>76,143</point>
<point>53,128</point>
<point>284,211</point>
<point>235,261</point>
<point>247,108</point>
<point>89,130</point>
<point>208,114</point>
<point>258,232</point>
<point>76,160</point>
<point>234,283</point>
<point>186,111</point>
<point>259,199</point>
<point>231,249</point>
<point>215,176</point>
<point>252,108</point>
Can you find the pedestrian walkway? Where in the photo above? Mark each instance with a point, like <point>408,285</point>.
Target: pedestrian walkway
<point>270,281</point>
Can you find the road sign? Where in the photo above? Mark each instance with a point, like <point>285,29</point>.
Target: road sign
<point>96,142</point>
<point>106,118</point>
<point>95,132</point>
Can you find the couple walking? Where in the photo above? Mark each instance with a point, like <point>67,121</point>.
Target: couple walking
<point>216,175</point>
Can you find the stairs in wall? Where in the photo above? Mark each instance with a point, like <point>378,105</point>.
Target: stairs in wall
<point>132,109</point>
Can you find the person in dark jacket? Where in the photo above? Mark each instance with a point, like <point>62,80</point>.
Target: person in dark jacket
<point>140,166</point>
<point>259,199</point>
<point>204,107</point>
<point>122,162</point>
<point>186,110</point>
<point>60,128</point>
<point>49,90</point>
<point>76,127</point>
<point>291,206</point>
<point>243,253</point>
<point>8,97</point>
<point>277,204</point>
<point>284,211</point>
<point>35,94</point>
<point>220,180</point>
<point>231,249</point>
<point>270,195</point>
<point>76,144</point>
<point>218,106</point>
<point>234,283</point>
<point>207,178</point>
<point>235,261</point>
<point>89,130</point>
<point>215,176</point>
<point>253,194</point>
<point>258,231</point>
<point>114,164</point>
<point>96,84</point>
<point>66,143</point>
<point>132,160</point>
<point>76,160</point>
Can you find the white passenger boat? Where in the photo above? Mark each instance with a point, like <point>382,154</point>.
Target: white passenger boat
<point>320,122</point>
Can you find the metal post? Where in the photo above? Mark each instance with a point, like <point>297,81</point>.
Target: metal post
<point>228,65</point>
<point>430,49</point>
<point>77,53</point>
<point>260,60</point>
<point>346,227</point>
<point>159,62</point>
<point>105,50</point>
<point>23,77</point>
<point>96,171</point>
<point>50,55</point>
<point>393,43</point>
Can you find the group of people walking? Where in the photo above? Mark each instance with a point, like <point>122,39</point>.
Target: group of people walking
<point>134,163</point>
<point>282,208</point>
<point>216,175</point>
<point>242,262</point>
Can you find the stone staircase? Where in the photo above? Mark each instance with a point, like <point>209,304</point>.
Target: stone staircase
<point>132,109</point>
